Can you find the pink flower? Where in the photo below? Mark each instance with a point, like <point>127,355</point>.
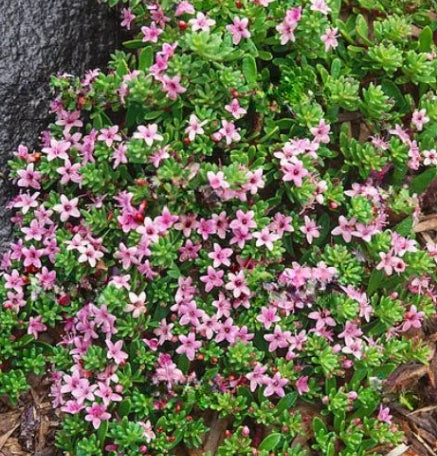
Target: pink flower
<point>330,38</point>
<point>229,132</point>
<point>345,228</point>
<point>294,171</point>
<point>212,279</point>
<point>69,172</point>
<point>310,229</point>
<point>29,177</point>
<point>217,180</point>
<point>115,352</point>
<point>194,127</point>
<point>257,377</point>
<point>67,208</point>
<point>148,133</point>
<point>36,326</point>
<point>265,237</point>
<point>32,256</point>
<point>172,87</point>
<point>151,33</point>
<point>127,18</point>
<point>189,346</point>
<point>237,284</point>
<point>238,29</point>
<point>109,135</point>
<point>320,6</point>
<point>419,119</point>
<point>351,331</point>
<point>244,221</point>
<point>389,263</point>
<point>201,22</point>
<point>268,317</point>
<point>220,256</point>
<point>57,149</point>
<point>384,414</point>
<point>430,157</point>
<point>137,304</point>
<point>275,385</point>
<point>184,7</point>
<point>287,27</point>
<point>302,385</point>
<point>412,319</point>
<point>354,348</point>
<point>255,181</point>
<point>96,414</point>
<point>279,339</point>
<point>107,395</point>
<point>235,109</point>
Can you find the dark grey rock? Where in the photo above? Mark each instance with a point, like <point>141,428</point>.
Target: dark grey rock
<point>40,38</point>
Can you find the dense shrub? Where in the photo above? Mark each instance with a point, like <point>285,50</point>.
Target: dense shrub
<point>215,247</point>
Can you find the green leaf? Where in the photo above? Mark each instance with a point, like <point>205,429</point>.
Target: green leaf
<point>146,58</point>
<point>375,281</point>
<point>405,227</point>
<point>249,69</point>
<point>124,407</point>
<point>134,44</point>
<point>319,426</point>
<point>425,39</point>
<point>286,402</point>
<point>102,431</point>
<point>362,29</point>
<point>421,182</point>
<point>270,442</point>
<point>336,68</point>
<point>393,91</point>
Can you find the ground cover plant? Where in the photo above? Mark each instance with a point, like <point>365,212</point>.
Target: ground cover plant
<point>214,246</point>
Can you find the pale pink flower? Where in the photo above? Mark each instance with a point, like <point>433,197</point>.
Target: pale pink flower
<point>320,6</point>
<point>137,304</point>
<point>330,38</point>
<point>265,237</point>
<point>430,157</point>
<point>229,132</point>
<point>238,29</point>
<point>201,22</point>
<point>67,208</point>
<point>419,119</point>
<point>310,229</point>
<point>115,352</point>
<point>109,135</point>
<point>194,127</point>
<point>148,133</point>
<point>235,109</point>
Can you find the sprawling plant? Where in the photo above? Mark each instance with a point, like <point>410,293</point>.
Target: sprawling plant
<point>214,246</point>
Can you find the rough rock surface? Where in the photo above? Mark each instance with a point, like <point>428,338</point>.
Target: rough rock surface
<point>39,38</point>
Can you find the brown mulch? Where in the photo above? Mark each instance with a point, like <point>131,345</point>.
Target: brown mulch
<point>27,429</point>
